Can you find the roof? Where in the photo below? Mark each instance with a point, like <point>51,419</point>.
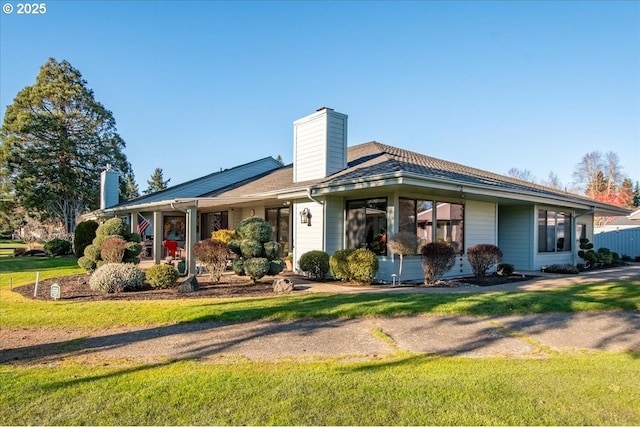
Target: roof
<point>374,160</point>
<point>201,187</point>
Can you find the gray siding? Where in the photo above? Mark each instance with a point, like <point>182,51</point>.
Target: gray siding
<point>515,235</point>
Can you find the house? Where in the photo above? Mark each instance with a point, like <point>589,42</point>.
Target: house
<point>334,196</point>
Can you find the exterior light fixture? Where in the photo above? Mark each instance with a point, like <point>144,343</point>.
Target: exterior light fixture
<point>305,217</point>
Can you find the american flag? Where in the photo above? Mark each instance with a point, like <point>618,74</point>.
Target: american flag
<point>143,224</point>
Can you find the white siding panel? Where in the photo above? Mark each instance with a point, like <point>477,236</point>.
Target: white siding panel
<point>334,209</point>
<point>307,238</point>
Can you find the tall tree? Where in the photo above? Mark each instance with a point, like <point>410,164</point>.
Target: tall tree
<point>601,178</point>
<point>553,181</point>
<point>157,182</point>
<point>56,139</point>
<point>636,195</point>
<point>128,187</point>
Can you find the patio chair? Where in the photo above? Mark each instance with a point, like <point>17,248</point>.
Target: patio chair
<point>172,247</point>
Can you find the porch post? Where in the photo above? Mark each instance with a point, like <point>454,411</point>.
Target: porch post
<point>157,237</point>
<point>192,221</point>
<point>134,222</point>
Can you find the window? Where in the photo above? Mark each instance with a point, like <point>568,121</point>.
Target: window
<point>367,225</point>
<point>278,218</point>
<point>214,221</point>
<point>419,216</point>
<point>554,231</point>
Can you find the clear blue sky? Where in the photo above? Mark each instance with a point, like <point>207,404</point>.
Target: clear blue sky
<point>196,86</point>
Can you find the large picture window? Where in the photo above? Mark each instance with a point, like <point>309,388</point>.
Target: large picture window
<point>213,221</point>
<point>367,225</point>
<point>419,216</point>
<point>554,231</point>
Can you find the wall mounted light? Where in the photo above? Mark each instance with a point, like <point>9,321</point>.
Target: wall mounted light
<point>305,217</point>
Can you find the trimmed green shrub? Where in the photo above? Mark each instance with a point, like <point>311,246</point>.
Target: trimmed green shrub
<point>117,278</point>
<point>587,253</point>
<point>253,242</point>
<point>437,259</point>
<point>275,266</point>
<point>162,276</point>
<point>316,263</point>
<point>505,269</point>
<point>112,249</point>
<point>57,247</point>
<point>256,268</point>
<point>213,255</point>
<point>339,265</point>
<point>363,265</point>
<point>83,235</point>
<point>113,228</point>
<point>482,257</point>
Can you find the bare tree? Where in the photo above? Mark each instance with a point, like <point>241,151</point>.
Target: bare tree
<point>522,174</point>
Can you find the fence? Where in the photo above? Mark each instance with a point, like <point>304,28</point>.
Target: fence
<point>624,242</point>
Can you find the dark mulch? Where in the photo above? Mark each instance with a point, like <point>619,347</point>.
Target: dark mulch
<point>76,288</point>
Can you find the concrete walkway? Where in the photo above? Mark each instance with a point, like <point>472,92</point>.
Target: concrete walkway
<point>522,336</point>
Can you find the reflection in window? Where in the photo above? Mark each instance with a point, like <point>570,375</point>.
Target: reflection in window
<point>554,231</point>
<point>214,221</point>
<point>417,216</point>
<point>278,218</point>
<point>367,225</point>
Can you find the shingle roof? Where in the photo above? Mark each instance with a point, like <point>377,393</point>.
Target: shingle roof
<point>373,159</point>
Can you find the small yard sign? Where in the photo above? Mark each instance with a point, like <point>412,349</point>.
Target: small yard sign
<point>55,291</point>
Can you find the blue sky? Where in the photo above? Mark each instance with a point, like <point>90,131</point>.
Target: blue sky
<point>196,86</point>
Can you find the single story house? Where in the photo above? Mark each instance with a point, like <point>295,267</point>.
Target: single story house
<point>334,196</point>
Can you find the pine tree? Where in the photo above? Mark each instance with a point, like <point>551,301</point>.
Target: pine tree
<point>128,188</point>
<point>157,182</point>
<point>56,139</point>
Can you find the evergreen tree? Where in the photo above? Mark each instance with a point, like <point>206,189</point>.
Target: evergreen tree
<point>128,188</point>
<point>157,182</point>
<point>636,195</point>
<point>56,139</point>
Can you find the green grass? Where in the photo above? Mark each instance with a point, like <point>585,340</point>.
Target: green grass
<point>589,389</point>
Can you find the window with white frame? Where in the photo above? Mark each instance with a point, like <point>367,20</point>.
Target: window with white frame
<point>433,221</point>
<point>554,231</point>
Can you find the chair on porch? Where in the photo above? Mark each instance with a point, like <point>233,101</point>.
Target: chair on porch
<point>172,247</point>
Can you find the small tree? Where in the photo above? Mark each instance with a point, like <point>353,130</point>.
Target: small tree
<point>257,254</point>
<point>213,254</point>
<point>482,257</point>
<point>437,259</point>
<point>83,235</point>
<point>403,243</point>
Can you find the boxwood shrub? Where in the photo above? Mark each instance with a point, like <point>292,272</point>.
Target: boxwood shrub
<point>162,276</point>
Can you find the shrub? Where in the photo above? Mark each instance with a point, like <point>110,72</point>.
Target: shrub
<point>482,257</point>
<point>505,269</point>
<point>57,247</point>
<point>83,235</point>
<point>586,252</point>
<point>275,266</point>
<point>437,259</point>
<point>112,249</point>
<point>562,269</point>
<point>256,268</point>
<point>113,228</point>
<point>339,264</point>
<point>162,276</point>
<point>213,254</point>
<point>403,243</point>
<point>316,263</point>
<point>116,278</point>
<point>253,241</point>
<point>363,265</point>
<point>224,235</point>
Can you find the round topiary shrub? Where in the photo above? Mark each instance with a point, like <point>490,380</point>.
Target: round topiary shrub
<point>437,259</point>
<point>340,265</point>
<point>256,268</point>
<point>482,257</point>
<point>363,265</point>
<point>162,276</point>
<point>113,227</point>
<point>275,266</point>
<point>57,247</point>
<point>112,249</point>
<point>316,263</point>
<point>272,250</point>
<point>117,278</point>
<point>83,235</point>
<point>254,229</point>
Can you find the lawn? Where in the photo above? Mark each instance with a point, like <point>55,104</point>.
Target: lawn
<point>590,388</point>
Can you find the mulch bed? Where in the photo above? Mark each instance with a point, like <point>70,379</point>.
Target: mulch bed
<point>76,288</point>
